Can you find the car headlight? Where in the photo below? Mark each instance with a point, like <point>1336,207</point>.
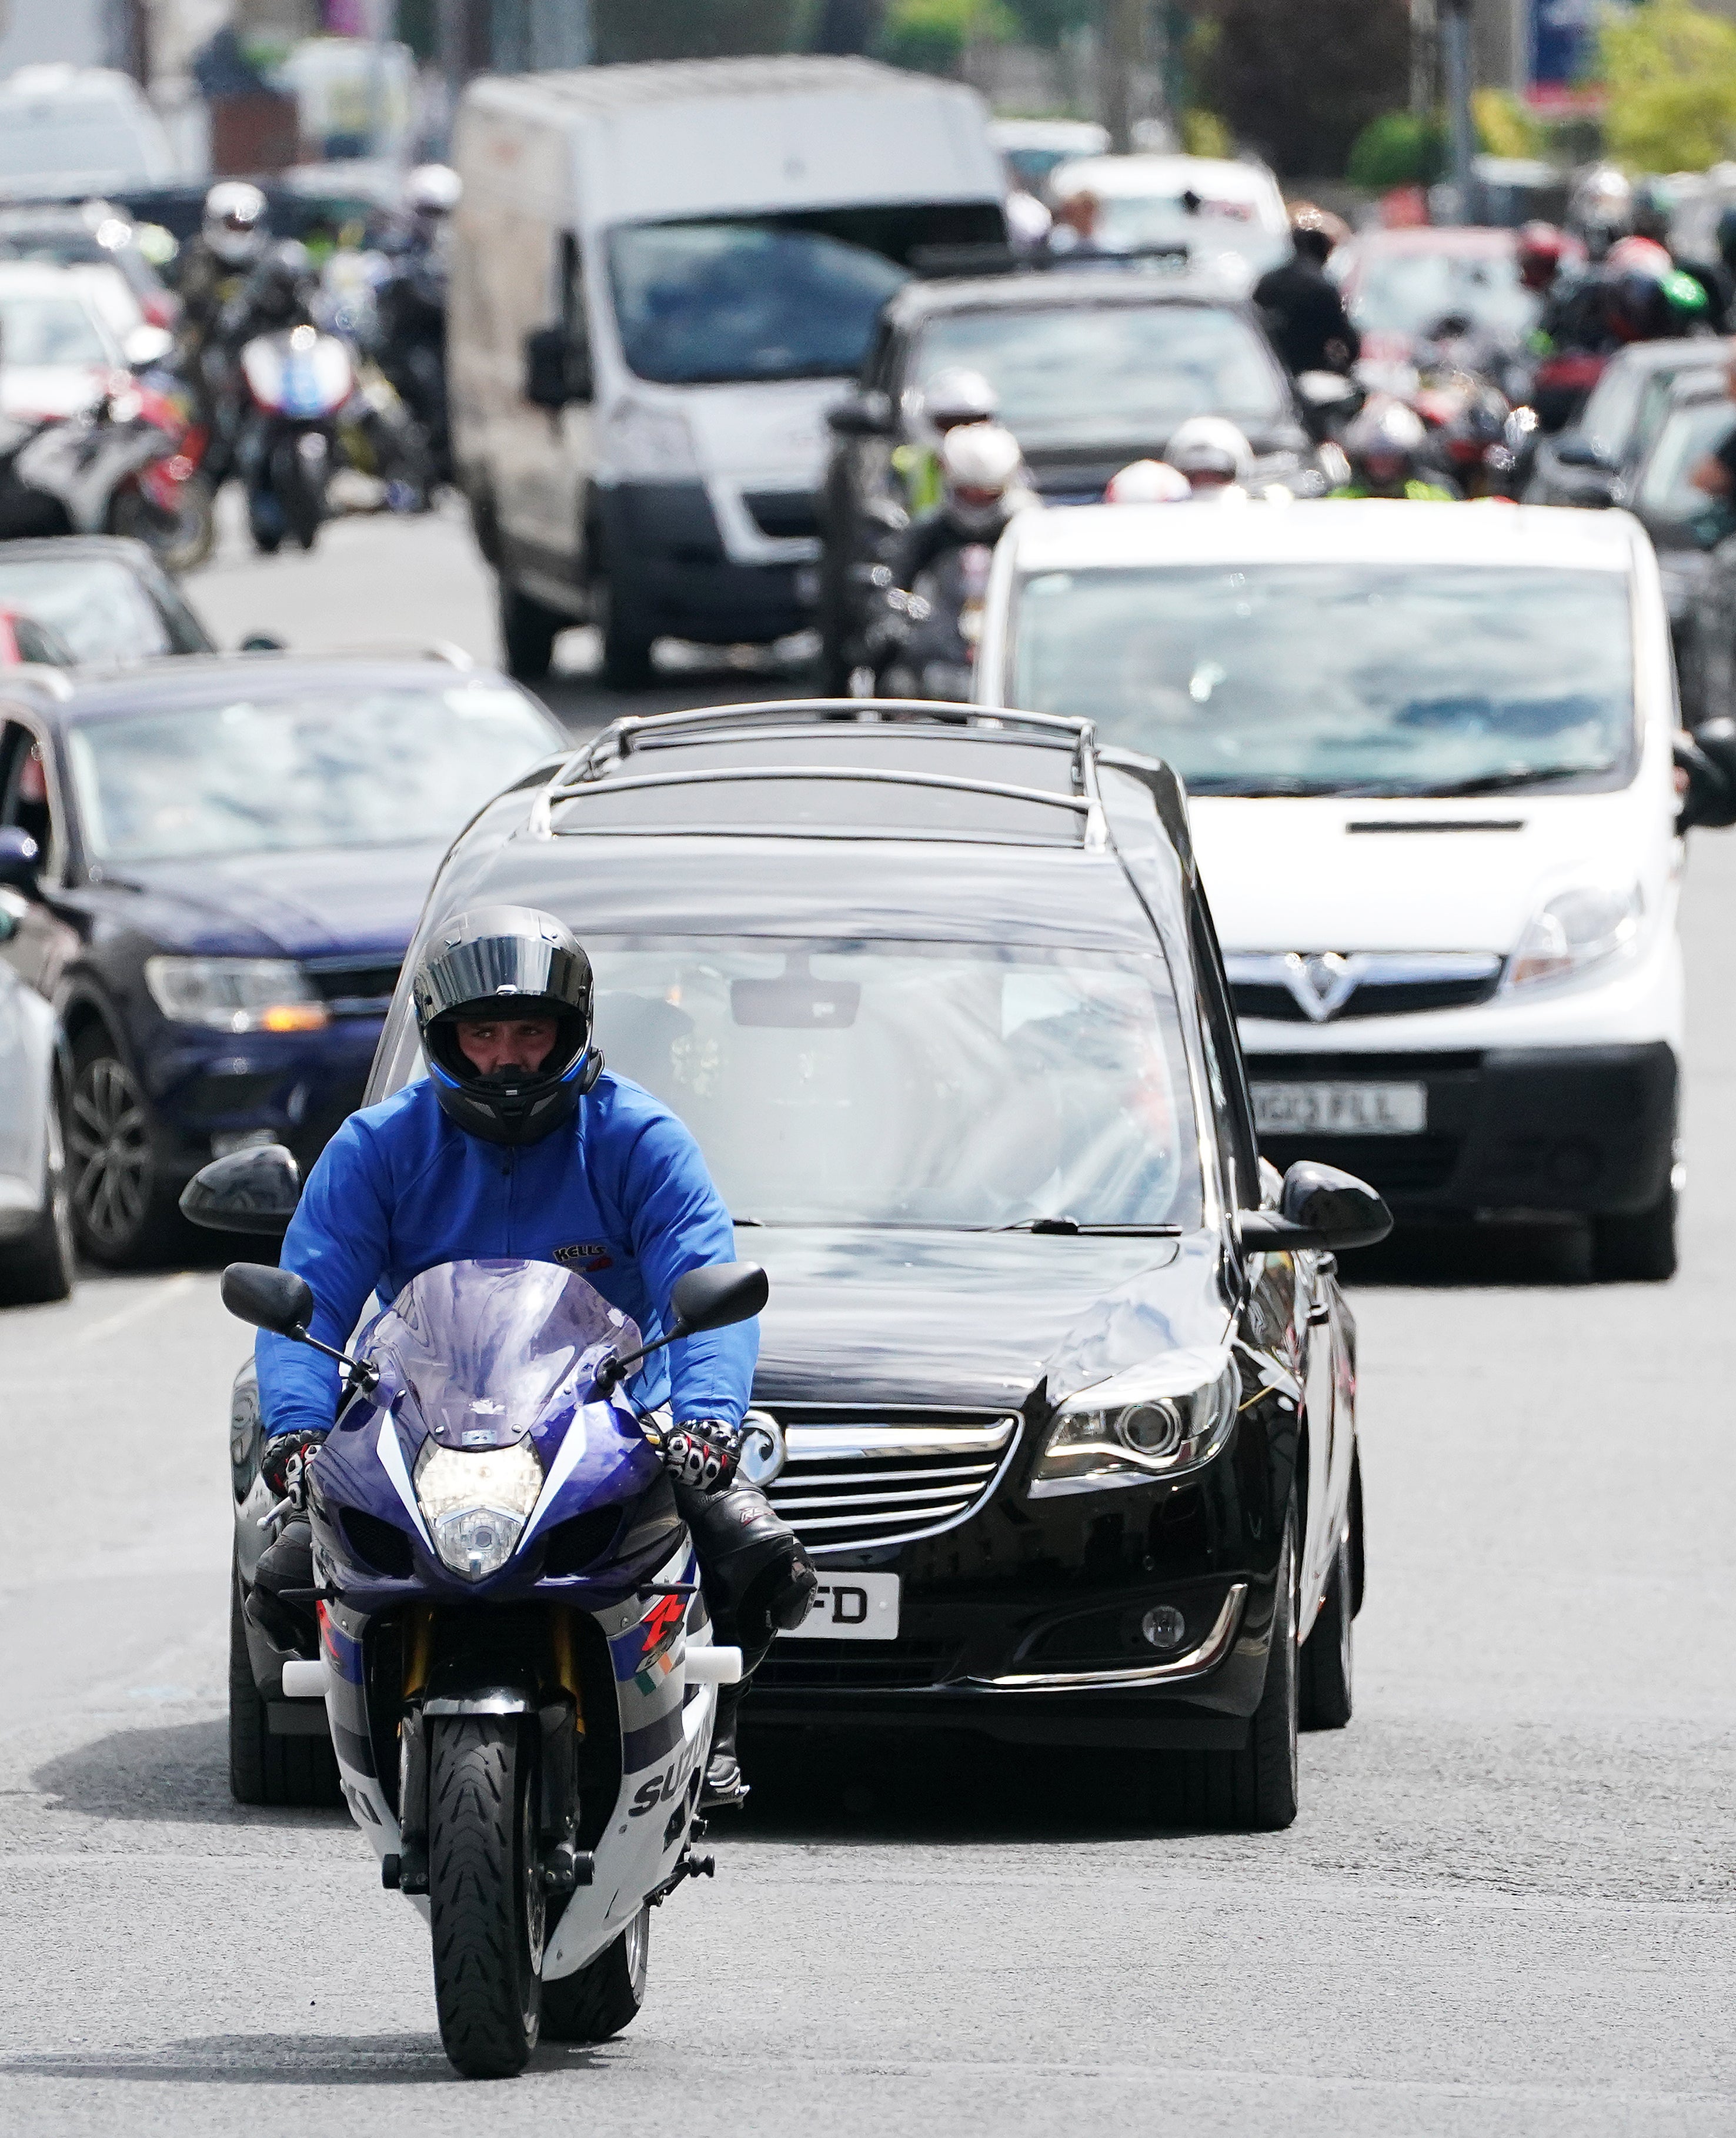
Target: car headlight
<point>475,1505</point>
<point>236,994</point>
<point>1159,1420</point>
<point>1576,931</point>
<point>642,441</point>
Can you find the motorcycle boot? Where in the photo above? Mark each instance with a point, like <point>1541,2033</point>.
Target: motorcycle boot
<point>287,1563</point>
<point>758,1582</point>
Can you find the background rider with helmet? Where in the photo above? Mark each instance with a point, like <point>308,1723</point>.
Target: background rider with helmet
<point>1213,457</point>
<point>951,398</point>
<point>1385,445</point>
<point>1303,311</point>
<point>519,1144</point>
<point>983,484</point>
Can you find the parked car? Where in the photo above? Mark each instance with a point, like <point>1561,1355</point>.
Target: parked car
<point>1591,461</point>
<point>660,276</point>
<point>105,597</point>
<point>1429,750</point>
<point>1068,1400</point>
<point>1094,368</point>
<point>1228,217</point>
<point>35,1210</point>
<point>232,853</point>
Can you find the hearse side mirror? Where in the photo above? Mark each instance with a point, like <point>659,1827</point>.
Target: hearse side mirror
<point>255,1190</point>
<point>20,860</point>
<point>1708,755</point>
<point>703,1300</point>
<point>1318,1207</point>
<point>861,416</point>
<point>268,1298</point>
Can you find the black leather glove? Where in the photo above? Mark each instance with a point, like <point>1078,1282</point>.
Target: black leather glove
<point>281,1450</point>
<point>703,1453</point>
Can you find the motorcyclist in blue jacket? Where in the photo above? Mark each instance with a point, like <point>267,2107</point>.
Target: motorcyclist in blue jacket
<point>519,1144</point>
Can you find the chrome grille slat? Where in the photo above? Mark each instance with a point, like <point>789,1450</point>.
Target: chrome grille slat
<point>856,1478</point>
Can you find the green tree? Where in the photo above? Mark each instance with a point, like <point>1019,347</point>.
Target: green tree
<point>695,29</point>
<point>1299,80</point>
<point>1670,72</point>
<point>931,35</point>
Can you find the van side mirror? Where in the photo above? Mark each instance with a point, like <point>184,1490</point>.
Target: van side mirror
<point>861,416</point>
<point>268,1298</point>
<point>718,1296</point>
<point>1707,756</point>
<point>557,369</point>
<point>255,1190</point>
<point>20,860</point>
<point>1318,1206</point>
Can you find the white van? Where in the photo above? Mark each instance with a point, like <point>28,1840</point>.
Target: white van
<point>661,276</point>
<point>67,132</point>
<point>1429,753</point>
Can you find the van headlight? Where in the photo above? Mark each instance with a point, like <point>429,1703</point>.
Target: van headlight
<point>641,441</point>
<point>1575,931</point>
<point>475,1504</point>
<point>1156,1421</point>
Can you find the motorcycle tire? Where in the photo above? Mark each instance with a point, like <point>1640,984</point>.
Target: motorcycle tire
<point>265,1769</point>
<point>485,1901</point>
<point>181,541</point>
<point>604,1995</point>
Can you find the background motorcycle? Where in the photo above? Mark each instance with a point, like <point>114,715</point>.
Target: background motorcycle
<point>110,472</point>
<point>514,1654</point>
<point>298,382</point>
<point>924,643</point>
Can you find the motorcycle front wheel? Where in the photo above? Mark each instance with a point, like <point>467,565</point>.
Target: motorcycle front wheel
<point>604,1995</point>
<point>181,538</point>
<point>486,1902</point>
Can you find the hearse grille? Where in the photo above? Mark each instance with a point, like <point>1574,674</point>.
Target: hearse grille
<point>859,1477</point>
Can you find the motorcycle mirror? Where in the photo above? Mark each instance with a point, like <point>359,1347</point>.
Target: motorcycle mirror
<point>717,1297</point>
<point>20,858</point>
<point>861,416</point>
<point>1707,756</point>
<point>272,1299</point>
<point>254,1190</point>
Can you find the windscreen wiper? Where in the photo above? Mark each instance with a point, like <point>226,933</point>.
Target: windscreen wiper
<point>1072,1227</point>
<point>1508,783</point>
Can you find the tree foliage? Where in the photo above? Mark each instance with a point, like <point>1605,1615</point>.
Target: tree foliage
<point>695,29</point>
<point>1670,72</point>
<point>1299,80</point>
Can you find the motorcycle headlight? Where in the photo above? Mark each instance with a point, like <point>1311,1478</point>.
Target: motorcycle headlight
<point>235,994</point>
<point>476,1505</point>
<point>1575,931</point>
<point>1160,1420</point>
<point>655,443</point>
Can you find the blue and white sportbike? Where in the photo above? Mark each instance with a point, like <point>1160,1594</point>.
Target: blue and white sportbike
<point>515,1658</point>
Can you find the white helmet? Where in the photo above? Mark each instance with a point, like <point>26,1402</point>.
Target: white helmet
<point>1386,433</point>
<point>958,396</point>
<point>980,465</point>
<point>234,224</point>
<point>1209,449</point>
<point>1147,482</point>
<point>433,189</point>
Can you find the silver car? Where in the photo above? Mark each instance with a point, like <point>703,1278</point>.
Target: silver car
<point>36,1212</point>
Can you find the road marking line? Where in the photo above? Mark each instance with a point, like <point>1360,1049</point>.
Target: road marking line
<point>135,1309</point>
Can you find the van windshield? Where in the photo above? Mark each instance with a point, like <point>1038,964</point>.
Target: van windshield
<point>717,300</point>
<point>1340,678</point>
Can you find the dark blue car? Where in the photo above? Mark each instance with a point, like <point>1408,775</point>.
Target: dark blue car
<point>223,862</point>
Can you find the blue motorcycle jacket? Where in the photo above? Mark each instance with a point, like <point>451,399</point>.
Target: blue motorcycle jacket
<point>618,1193</point>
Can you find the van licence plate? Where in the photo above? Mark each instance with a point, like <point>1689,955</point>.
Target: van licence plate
<point>1340,1109</point>
<point>851,1607</point>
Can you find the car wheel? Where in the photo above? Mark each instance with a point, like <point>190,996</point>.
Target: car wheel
<point>265,1769</point>
<point>1254,1790</point>
<point>626,650</point>
<point>124,1213</point>
<point>528,632</point>
<point>1639,1249</point>
<point>39,1265</point>
<point>1326,1655</point>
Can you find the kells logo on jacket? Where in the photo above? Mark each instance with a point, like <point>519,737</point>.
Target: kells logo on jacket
<point>591,1256</point>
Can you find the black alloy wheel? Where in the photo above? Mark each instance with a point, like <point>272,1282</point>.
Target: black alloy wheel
<point>265,1768</point>
<point>487,1907</point>
<point>38,1266</point>
<point>604,1995</point>
<point>122,1213</point>
<point>1328,1655</point>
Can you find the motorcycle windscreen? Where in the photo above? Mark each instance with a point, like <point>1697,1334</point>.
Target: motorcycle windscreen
<point>487,1347</point>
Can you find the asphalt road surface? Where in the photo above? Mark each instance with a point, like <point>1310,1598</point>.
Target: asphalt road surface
<point>1505,1908</point>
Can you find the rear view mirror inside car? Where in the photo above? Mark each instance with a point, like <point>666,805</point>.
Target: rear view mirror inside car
<point>795,1002</point>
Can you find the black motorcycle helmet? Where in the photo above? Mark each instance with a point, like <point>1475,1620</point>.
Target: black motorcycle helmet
<point>505,962</point>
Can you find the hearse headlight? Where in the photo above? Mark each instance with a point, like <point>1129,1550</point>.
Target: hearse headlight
<point>1576,931</point>
<point>1156,1421</point>
<point>475,1504</point>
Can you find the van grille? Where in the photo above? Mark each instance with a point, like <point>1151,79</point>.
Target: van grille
<point>786,514</point>
<point>888,1475</point>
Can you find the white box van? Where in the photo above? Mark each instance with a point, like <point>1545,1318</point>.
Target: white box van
<point>67,132</point>
<point>661,275</point>
<point>1429,756</point>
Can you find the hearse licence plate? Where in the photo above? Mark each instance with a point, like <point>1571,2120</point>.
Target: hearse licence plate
<point>1338,1109</point>
<point>851,1607</point>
